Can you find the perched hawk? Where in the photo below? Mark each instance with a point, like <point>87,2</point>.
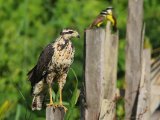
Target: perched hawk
<point>103,17</point>
<point>53,65</point>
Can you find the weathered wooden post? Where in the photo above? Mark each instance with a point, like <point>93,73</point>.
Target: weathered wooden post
<point>100,73</point>
<point>143,107</point>
<point>108,106</point>
<point>94,72</point>
<point>133,56</point>
<point>54,114</point>
<point>155,88</point>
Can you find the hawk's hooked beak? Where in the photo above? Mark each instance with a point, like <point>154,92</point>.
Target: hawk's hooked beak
<point>78,36</point>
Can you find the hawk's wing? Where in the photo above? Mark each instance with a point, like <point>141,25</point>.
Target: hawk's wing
<point>97,20</point>
<point>40,70</point>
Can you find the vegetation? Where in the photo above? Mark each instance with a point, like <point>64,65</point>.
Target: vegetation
<point>28,25</point>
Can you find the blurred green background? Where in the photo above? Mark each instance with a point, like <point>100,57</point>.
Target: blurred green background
<point>27,26</point>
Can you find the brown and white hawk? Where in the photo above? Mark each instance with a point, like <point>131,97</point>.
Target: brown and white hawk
<point>53,65</point>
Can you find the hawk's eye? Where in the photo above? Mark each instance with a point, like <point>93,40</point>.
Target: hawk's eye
<point>70,32</point>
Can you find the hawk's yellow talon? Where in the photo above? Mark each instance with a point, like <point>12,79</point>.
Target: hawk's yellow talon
<point>61,106</point>
<point>50,104</point>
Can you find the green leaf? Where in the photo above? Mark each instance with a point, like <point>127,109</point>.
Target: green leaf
<point>18,112</point>
<point>54,95</point>
<point>73,100</point>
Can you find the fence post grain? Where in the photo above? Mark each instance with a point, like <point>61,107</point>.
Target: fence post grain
<point>54,114</point>
<point>100,73</point>
<point>155,88</point>
<point>94,72</point>
<point>133,56</point>
<point>110,76</point>
<point>143,107</point>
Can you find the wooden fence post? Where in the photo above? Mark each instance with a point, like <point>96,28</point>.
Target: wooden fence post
<point>54,114</point>
<point>133,56</point>
<point>100,73</point>
<point>108,106</point>
<point>94,72</point>
<point>143,107</point>
<point>155,88</point>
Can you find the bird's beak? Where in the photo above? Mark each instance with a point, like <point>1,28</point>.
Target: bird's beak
<point>78,36</point>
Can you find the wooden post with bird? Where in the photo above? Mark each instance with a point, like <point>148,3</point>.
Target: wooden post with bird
<point>143,105</point>
<point>101,50</point>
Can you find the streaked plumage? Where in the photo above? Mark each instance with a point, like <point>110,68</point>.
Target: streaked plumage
<point>53,65</point>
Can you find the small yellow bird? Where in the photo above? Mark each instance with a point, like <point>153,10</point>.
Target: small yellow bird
<point>103,17</point>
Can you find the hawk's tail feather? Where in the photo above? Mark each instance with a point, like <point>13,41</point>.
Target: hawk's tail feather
<point>37,102</point>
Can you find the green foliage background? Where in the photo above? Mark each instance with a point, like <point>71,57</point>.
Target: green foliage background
<point>26,26</point>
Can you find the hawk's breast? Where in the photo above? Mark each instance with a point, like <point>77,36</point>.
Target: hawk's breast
<point>63,55</point>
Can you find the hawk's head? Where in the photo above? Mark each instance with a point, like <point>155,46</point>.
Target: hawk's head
<point>69,33</point>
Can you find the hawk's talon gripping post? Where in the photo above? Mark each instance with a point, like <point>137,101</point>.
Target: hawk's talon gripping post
<point>50,104</point>
<point>59,105</point>
<point>62,106</point>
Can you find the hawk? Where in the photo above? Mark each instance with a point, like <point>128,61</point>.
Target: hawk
<point>53,65</point>
<point>103,17</point>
